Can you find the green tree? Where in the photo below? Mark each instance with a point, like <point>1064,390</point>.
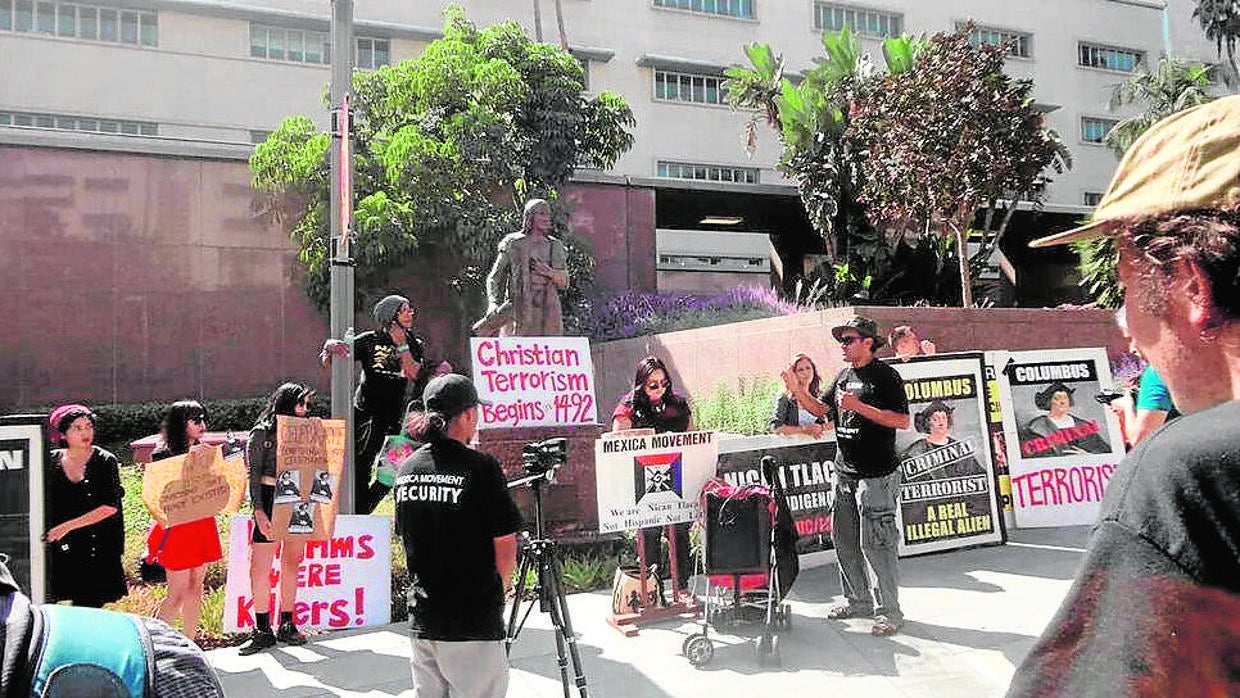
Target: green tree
<point>1221,20</point>
<point>948,138</point>
<point>446,146</point>
<point>1174,85</point>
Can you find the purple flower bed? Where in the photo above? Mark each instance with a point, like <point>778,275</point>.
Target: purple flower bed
<point>1126,369</point>
<point>633,314</point>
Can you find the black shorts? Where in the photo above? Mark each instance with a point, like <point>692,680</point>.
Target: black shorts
<point>268,496</point>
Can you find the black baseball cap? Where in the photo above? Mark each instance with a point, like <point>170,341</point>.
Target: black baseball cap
<point>451,395</point>
<point>864,327</point>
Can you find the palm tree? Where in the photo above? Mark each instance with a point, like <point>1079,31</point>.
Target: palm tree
<point>1221,20</point>
<point>1174,85</point>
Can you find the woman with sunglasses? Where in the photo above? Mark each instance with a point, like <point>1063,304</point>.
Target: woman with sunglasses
<point>186,549</point>
<point>292,400</point>
<point>87,534</point>
<point>653,404</point>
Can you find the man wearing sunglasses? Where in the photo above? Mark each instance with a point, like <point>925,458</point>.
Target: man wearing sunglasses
<point>865,405</point>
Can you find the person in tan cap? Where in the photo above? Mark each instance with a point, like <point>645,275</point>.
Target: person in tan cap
<point>1155,607</point>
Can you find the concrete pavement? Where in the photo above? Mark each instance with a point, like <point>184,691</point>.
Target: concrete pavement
<point>971,616</point>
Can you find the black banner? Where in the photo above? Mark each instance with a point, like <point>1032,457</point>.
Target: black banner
<point>21,499</point>
<point>804,470</point>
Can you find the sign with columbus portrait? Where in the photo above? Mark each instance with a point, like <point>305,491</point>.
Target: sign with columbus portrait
<point>1063,445</point>
<point>947,484</point>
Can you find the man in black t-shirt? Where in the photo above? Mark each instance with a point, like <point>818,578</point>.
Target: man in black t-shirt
<point>390,356</point>
<point>865,405</point>
<point>1155,607</point>
<point>458,525</point>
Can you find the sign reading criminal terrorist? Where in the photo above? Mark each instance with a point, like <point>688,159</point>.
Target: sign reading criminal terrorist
<point>309,464</point>
<point>534,381</point>
<point>651,480</point>
<point>21,500</point>
<point>947,486</point>
<point>195,485</point>
<point>344,581</point>
<point>804,468</point>
<point>1062,444</point>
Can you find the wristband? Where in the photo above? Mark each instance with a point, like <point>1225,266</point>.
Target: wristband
<point>402,349</point>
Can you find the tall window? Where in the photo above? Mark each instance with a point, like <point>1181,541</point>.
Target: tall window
<point>61,122</point>
<point>76,21</point>
<point>1092,198</point>
<point>990,35</point>
<point>829,16</point>
<point>1095,130</point>
<point>307,46</point>
<point>729,8</point>
<point>708,173</point>
<point>1108,57</point>
<point>685,87</point>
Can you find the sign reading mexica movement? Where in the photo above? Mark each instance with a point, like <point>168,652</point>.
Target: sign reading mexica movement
<point>534,381</point>
<point>804,468</point>
<point>343,582</point>
<point>309,463</point>
<point>947,485</point>
<point>21,500</point>
<point>1062,444</point>
<point>653,479</point>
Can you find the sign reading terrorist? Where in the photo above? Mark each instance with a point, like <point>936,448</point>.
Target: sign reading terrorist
<point>651,480</point>
<point>534,381</point>
<point>947,488</point>
<point>192,486</point>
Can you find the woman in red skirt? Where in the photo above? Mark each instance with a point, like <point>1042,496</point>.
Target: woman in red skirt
<point>186,549</point>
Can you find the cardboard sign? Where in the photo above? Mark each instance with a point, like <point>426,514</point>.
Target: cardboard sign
<point>805,469</point>
<point>194,485</point>
<point>534,381</point>
<point>309,464</point>
<point>1063,446</point>
<point>947,483</point>
<point>22,465</point>
<point>343,582</point>
<point>651,480</point>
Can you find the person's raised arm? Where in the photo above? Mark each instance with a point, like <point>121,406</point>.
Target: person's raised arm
<point>810,403</point>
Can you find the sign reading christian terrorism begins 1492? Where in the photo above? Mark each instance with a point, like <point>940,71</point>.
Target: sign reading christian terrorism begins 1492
<point>534,381</point>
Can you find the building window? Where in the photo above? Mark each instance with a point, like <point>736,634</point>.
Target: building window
<point>685,87</point>
<point>74,21</point>
<point>707,173</point>
<point>1018,47</point>
<point>832,17</point>
<point>258,136</point>
<point>728,8</point>
<point>1095,130</point>
<point>306,46</point>
<point>62,122</point>
<point>1108,57</point>
<point>1093,198</point>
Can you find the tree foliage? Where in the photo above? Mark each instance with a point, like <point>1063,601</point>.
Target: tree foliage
<point>1221,21</point>
<point>446,146</point>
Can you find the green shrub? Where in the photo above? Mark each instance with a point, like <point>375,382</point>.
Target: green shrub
<point>746,410</point>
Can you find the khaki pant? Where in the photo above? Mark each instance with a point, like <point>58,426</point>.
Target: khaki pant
<point>473,669</point>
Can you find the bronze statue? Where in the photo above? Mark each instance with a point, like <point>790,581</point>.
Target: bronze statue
<point>523,287</point>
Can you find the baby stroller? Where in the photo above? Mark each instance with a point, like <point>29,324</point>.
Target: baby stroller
<point>750,561</point>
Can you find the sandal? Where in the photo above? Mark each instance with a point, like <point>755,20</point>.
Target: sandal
<point>883,627</point>
<point>843,612</point>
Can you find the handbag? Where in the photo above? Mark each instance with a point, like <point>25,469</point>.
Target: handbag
<point>149,569</point>
<point>626,594</point>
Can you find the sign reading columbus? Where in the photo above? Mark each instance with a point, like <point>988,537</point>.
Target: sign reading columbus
<point>534,381</point>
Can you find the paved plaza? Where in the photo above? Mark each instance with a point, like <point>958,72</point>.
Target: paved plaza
<point>972,616</point>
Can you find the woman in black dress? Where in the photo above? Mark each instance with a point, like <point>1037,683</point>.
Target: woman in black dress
<point>653,404</point>
<point>83,502</point>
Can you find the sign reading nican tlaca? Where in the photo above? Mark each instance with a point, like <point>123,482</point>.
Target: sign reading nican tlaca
<point>652,480</point>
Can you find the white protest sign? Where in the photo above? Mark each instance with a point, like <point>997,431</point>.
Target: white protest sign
<point>534,381</point>
<point>343,582</point>
<point>1063,446</point>
<point>652,480</point>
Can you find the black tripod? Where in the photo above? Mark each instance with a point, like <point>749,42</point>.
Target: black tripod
<point>541,554</point>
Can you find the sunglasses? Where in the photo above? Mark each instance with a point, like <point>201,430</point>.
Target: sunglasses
<point>845,341</point>
<point>200,419</point>
<point>658,385</point>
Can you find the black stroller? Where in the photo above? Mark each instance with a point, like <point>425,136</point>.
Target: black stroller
<point>750,562</point>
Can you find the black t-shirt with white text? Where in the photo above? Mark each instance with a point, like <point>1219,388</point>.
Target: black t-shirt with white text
<point>865,448</point>
<point>451,504</point>
<point>382,387</point>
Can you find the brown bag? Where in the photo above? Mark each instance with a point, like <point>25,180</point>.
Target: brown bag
<point>626,591</point>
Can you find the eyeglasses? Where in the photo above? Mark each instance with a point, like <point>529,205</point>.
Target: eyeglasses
<point>845,341</point>
<point>658,385</point>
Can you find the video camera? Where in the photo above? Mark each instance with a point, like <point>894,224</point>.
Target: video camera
<point>538,457</point>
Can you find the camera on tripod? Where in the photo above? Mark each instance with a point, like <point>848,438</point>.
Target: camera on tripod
<point>539,457</point>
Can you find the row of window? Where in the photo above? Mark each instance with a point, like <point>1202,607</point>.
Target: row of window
<point>72,20</point>
<point>61,122</point>
<point>685,87</point>
<point>706,172</point>
<point>306,46</point>
<point>742,9</point>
